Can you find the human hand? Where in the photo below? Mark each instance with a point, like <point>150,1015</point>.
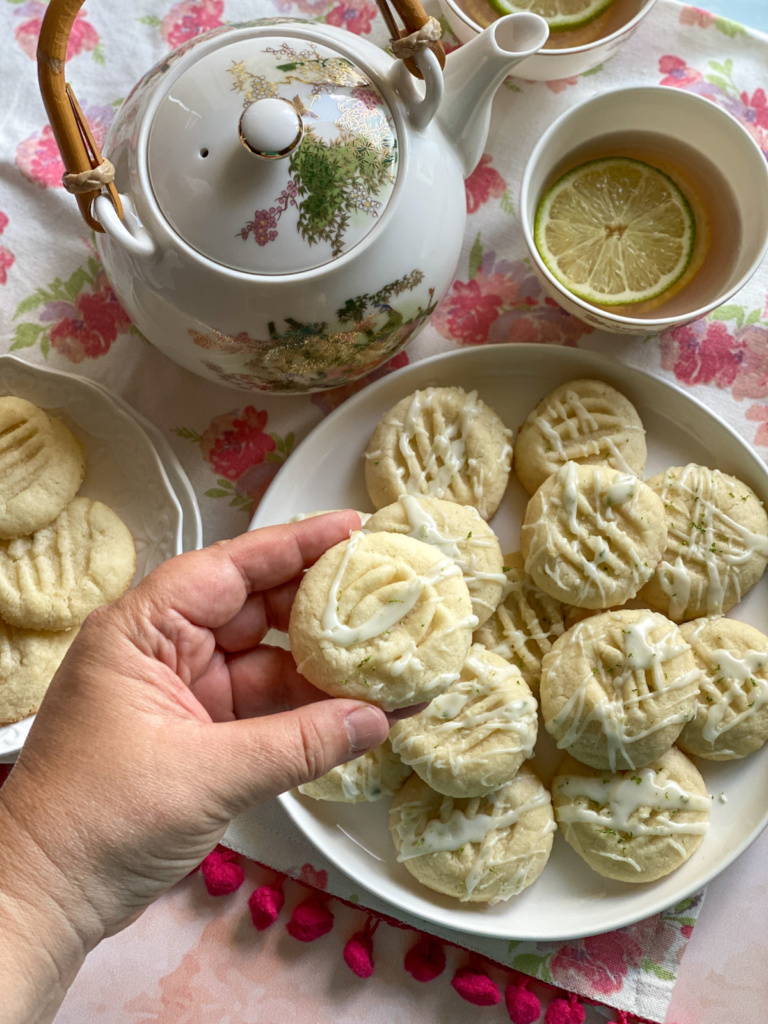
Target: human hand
<point>167,718</point>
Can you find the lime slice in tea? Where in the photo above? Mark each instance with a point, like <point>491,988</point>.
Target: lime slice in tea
<point>615,231</point>
<point>560,15</point>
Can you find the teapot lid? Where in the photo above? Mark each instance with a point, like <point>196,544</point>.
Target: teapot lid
<point>272,155</point>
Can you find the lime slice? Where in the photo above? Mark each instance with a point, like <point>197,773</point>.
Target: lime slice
<point>560,15</point>
<point>615,231</point>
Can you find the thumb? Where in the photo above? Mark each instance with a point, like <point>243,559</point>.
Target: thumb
<point>257,758</point>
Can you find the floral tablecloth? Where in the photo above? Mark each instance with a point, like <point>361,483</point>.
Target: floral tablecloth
<point>56,306</point>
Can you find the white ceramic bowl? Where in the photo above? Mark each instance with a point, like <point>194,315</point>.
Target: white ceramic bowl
<point>551,63</point>
<point>682,116</point>
<point>123,469</point>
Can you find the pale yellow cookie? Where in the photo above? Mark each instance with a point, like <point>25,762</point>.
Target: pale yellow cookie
<point>442,442</point>
<point>617,688</point>
<point>378,773</point>
<point>731,710</point>
<point>54,578</point>
<point>592,536</point>
<point>28,660</point>
<point>460,533</point>
<point>472,738</point>
<point>584,421</point>
<point>525,624</point>
<point>480,850</point>
<point>634,826</point>
<point>717,546</point>
<point>41,467</point>
<point>382,618</point>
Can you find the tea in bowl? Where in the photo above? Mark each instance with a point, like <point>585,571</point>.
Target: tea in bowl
<point>588,35</point>
<point>645,208</point>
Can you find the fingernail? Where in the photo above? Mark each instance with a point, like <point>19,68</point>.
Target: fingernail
<point>365,728</point>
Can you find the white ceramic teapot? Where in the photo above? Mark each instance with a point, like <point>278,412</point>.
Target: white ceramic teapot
<point>291,202</point>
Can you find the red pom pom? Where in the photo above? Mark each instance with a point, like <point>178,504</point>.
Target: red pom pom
<point>265,904</point>
<point>425,960</point>
<point>358,955</point>
<point>476,987</point>
<point>565,1011</point>
<point>220,872</point>
<point>310,920</point>
<point>523,1006</point>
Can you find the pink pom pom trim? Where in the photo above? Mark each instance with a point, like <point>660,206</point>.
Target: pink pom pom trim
<point>221,873</point>
<point>358,952</point>
<point>523,1006</point>
<point>475,986</point>
<point>425,960</point>
<point>310,919</point>
<point>565,1011</point>
<point>265,903</point>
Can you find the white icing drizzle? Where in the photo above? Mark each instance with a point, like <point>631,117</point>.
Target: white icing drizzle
<point>622,796</point>
<point>454,828</point>
<point>736,682</point>
<point>708,538</point>
<point>518,631</point>
<point>362,778</point>
<point>593,527</point>
<point>468,714</point>
<point>639,657</point>
<point>388,614</point>
<point>444,456</point>
<point>576,423</point>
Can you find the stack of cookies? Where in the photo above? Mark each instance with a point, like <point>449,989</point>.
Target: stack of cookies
<point>611,617</point>
<point>61,555</point>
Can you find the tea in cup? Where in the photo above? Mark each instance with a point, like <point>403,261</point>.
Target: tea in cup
<point>693,226</point>
<point>568,51</point>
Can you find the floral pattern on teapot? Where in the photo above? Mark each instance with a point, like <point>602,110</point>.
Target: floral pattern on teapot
<point>368,330</point>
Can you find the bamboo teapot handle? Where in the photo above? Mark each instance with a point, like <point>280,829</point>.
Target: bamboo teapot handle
<point>86,170</point>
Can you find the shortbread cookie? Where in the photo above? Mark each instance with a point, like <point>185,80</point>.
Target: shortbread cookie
<point>480,850</point>
<point>473,737</point>
<point>444,443</point>
<point>717,546</point>
<point>617,688</point>
<point>378,773</point>
<point>54,578</point>
<point>592,536</point>
<point>584,421</point>
<point>634,826</point>
<point>382,618</point>
<point>460,533</point>
<point>28,661</point>
<point>41,467</point>
<point>731,710</point>
<point>525,624</point>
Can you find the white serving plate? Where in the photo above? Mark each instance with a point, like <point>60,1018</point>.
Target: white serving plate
<point>123,469</point>
<point>326,471</point>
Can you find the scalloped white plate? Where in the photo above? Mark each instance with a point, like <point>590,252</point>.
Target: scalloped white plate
<point>326,471</point>
<point>123,469</point>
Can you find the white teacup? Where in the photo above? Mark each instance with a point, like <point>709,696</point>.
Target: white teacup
<point>566,53</point>
<point>673,117</point>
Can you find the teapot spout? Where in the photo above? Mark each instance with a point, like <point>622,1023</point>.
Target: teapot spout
<point>474,72</point>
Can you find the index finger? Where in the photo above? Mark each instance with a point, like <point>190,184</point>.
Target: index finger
<point>209,587</point>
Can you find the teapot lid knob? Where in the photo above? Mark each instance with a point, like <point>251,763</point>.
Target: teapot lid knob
<point>270,128</point>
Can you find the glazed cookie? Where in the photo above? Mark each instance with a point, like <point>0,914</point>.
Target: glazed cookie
<point>474,736</point>
<point>717,546</point>
<point>28,661</point>
<point>54,578</point>
<point>617,688</point>
<point>382,618</point>
<point>635,826</point>
<point>460,533</point>
<point>378,773</point>
<point>41,467</point>
<point>480,850</point>
<point>731,710</point>
<point>592,536</point>
<point>525,624</point>
<point>444,443</point>
<point>584,421</point>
